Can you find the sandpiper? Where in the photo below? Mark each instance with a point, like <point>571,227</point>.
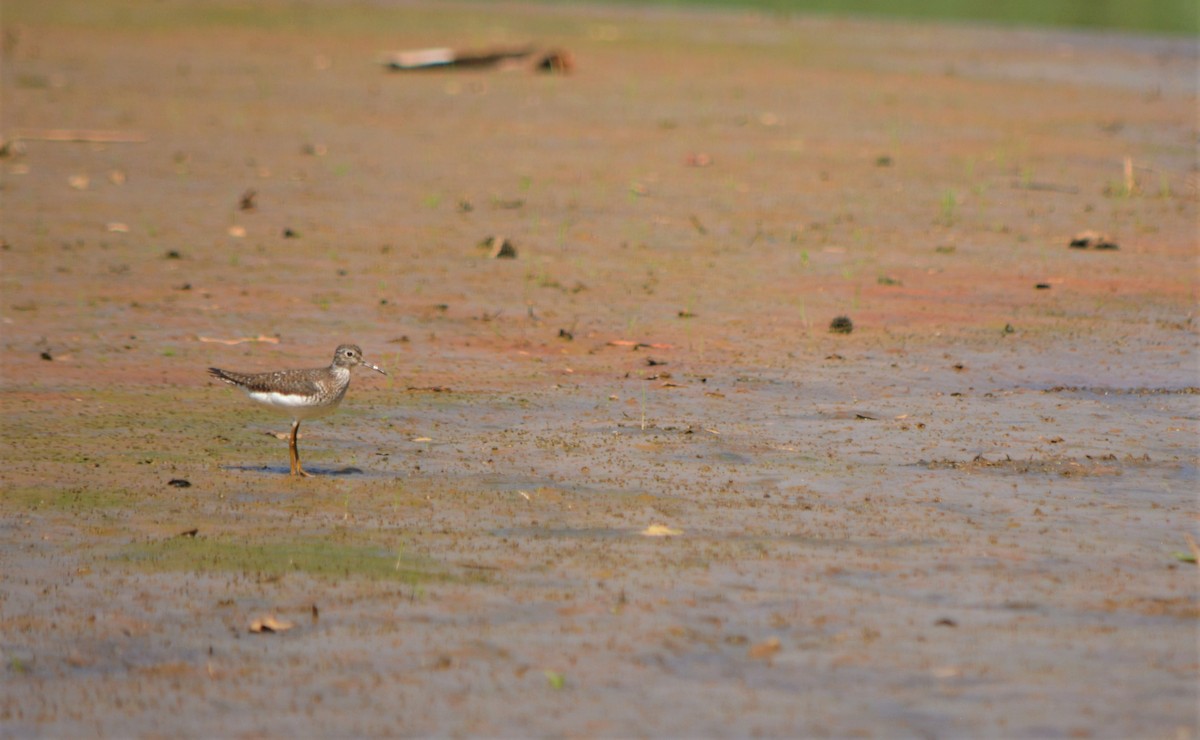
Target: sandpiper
<point>301,394</point>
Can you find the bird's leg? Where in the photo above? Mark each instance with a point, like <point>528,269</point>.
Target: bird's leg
<point>294,451</point>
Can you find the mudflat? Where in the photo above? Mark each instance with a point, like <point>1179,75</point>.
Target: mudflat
<point>625,481</point>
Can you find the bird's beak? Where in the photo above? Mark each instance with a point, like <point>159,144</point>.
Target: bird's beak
<point>367,364</point>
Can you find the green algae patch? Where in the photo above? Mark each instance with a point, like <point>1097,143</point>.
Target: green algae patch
<point>75,499</point>
<point>267,560</point>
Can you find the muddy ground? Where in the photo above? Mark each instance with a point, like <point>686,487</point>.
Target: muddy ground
<point>969,516</point>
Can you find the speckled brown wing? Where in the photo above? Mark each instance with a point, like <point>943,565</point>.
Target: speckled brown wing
<point>290,382</point>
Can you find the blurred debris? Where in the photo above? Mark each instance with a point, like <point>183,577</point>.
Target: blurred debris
<point>1093,240</point>
<point>555,679</point>
<point>269,624</point>
<point>841,325</point>
<point>90,136</point>
<point>11,148</point>
<point>247,201</point>
<point>1193,549</point>
<point>240,340</point>
<point>635,346</point>
<point>765,649</point>
<point>555,61</point>
<point>660,530</point>
<point>1048,187</point>
<point>445,57</point>
<point>501,248</point>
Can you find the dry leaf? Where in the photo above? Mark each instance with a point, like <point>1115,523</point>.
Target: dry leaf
<point>660,530</point>
<point>765,649</point>
<point>269,623</point>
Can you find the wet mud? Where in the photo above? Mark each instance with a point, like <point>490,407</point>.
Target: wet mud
<point>627,482</point>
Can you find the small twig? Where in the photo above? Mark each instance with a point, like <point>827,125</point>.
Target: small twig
<point>240,340</point>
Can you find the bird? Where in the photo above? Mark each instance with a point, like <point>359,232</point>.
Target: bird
<point>301,394</point>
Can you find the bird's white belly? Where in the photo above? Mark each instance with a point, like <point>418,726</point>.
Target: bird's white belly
<point>297,407</point>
